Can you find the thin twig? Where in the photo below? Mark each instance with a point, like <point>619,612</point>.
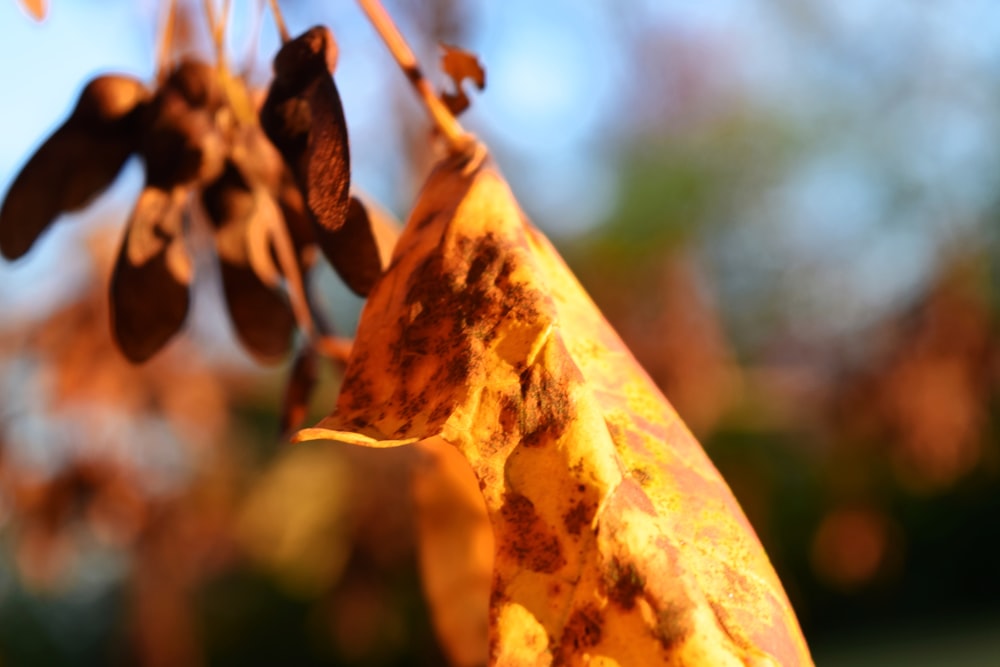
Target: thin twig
<point>166,42</point>
<point>285,252</point>
<point>279,21</point>
<point>253,40</point>
<point>217,28</point>
<point>458,139</point>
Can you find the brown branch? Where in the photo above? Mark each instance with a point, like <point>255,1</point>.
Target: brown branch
<point>458,139</point>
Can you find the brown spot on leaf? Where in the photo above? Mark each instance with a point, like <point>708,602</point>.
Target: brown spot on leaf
<point>578,516</point>
<point>673,625</point>
<point>582,631</point>
<point>440,412</point>
<point>528,539</point>
<point>510,408</point>
<point>624,583</point>
<point>545,406</point>
<point>640,475</point>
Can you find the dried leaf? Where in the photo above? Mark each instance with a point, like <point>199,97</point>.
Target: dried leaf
<point>75,164</point>
<point>460,65</point>
<point>38,9</point>
<point>149,285</point>
<point>304,119</point>
<point>301,382</point>
<point>455,543</point>
<point>616,538</point>
<point>258,309</point>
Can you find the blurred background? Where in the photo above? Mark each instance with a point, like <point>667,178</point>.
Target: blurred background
<point>788,209</point>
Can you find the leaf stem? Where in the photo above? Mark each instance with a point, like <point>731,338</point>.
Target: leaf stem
<point>279,21</point>
<point>312,327</point>
<point>217,27</point>
<point>166,42</point>
<point>458,139</point>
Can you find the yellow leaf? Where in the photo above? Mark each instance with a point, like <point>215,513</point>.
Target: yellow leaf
<point>455,544</point>
<point>617,542</point>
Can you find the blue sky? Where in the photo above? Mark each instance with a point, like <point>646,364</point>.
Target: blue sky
<point>903,96</point>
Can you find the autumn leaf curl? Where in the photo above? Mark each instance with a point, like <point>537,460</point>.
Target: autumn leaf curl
<point>615,536</point>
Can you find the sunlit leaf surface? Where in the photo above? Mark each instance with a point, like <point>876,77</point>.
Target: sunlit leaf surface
<point>617,542</point>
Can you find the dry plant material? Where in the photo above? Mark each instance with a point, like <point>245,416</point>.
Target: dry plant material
<point>78,162</point>
<point>152,276</point>
<point>460,65</point>
<point>303,117</point>
<point>301,383</point>
<point>36,8</point>
<point>241,216</point>
<point>181,142</point>
<point>616,538</point>
<point>181,146</point>
<point>455,546</point>
<point>357,253</point>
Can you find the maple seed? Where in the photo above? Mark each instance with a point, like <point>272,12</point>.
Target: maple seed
<point>78,162</point>
<point>181,143</point>
<point>304,119</point>
<point>149,284</point>
<point>258,310</point>
<point>356,253</point>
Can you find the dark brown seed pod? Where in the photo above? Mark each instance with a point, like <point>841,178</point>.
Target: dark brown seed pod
<point>303,117</point>
<point>357,253</point>
<point>301,382</point>
<point>258,160</point>
<point>151,279</point>
<point>259,311</point>
<point>181,142</point>
<point>78,162</point>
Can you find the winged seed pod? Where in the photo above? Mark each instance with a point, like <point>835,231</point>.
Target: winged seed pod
<point>150,281</point>
<point>617,542</point>
<point>78,162</point>
<point>182,147</point>
<point>257,308</point>
<point>181,141</point>
<point>303,117</point>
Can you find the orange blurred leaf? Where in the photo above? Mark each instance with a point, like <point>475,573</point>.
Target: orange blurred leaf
<point>37,8</point>
<point>616,538</point>
<point>455,544</point>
